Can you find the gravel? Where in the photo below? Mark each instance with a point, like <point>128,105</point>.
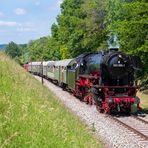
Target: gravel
<point>109,132</point>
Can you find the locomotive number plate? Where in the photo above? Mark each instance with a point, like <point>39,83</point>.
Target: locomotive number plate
<point>118,65</point>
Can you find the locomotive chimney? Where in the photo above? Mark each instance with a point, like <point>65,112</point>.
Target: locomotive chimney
<point>113,43</point>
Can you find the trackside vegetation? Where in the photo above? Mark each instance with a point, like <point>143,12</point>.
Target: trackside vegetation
<point>31,116</point>
<point>144,99</point>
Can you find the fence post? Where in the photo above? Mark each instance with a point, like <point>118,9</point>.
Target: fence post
<point>42,73</point>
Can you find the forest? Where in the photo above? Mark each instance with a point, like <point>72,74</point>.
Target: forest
<point>87,25</point>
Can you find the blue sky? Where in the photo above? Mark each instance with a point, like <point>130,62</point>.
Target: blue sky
<point>25,20</point>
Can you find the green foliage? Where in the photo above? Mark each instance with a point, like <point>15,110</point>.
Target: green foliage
<point>38,49</point>
<point>68,31</point>
<point>31,116</point>
<point>95,32</point>
<point>13,50</point>
<point>64,52</point>
<point>129,21</point>
<point>80,27</point>
<point>54,52</point>
<point>18,52</point>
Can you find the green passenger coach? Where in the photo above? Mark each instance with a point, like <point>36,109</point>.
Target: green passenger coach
<point>34,67</point>
<point>50,70</point>
<point>61,72</point>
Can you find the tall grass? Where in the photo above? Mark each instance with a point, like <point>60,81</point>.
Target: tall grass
<point>143,99</point>
<point>31,116</point>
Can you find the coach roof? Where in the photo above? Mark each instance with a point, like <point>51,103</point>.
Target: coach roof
<point>34,63</point>
<point>50,63</point>
<point>63,63</point>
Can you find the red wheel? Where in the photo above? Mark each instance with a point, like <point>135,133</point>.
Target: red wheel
<point>88,98</point>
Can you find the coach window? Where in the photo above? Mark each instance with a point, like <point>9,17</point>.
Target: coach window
<point>73,66</point>
<point>69,67</point>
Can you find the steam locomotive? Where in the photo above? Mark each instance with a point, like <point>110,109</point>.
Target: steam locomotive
<point>106,79</point>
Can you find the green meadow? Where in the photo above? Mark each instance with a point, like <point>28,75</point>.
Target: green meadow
<point>31,116</point>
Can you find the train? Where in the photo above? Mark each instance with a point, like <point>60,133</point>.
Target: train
<point>106,78</point>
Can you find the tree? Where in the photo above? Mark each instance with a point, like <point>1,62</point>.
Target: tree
<point>128,19</point>
<point>68,31</point>
<point>80,27</point>
<point>13,50</point>
<point>38,49</point>
<point>95,34</point>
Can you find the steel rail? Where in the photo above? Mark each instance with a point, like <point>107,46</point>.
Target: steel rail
<point>130,128</point>
<point>136,117</point>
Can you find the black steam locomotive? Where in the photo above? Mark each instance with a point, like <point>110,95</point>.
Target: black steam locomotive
<point>108,79</point>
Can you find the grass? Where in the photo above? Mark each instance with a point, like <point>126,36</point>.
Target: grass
<point>144,99</point>
<point>31,116</point>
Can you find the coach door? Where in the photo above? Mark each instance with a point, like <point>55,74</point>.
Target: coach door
<point>71,76</point>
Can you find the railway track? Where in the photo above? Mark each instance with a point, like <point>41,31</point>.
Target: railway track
<point>136,127</point>
<point>140,119</point>
<point>111,132</point>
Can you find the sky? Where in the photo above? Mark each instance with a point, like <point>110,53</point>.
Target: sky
<point>25,20</point>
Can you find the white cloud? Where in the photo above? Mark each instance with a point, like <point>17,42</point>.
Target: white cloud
<point>20,11</point>
<point>26,24</point>
<point>25,29</point>
<point>8,24</point>
<point>1,14</point>
<point>20,27</point>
